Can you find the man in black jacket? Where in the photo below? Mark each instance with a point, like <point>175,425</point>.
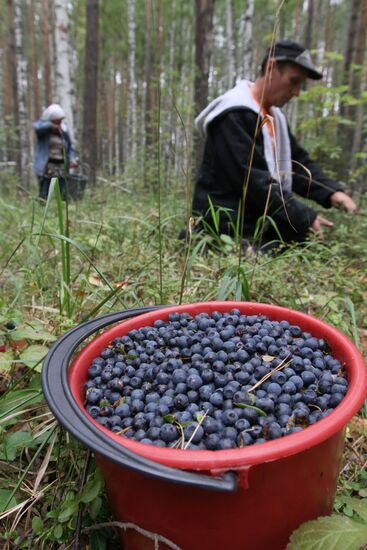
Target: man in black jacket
<point>252,158</point>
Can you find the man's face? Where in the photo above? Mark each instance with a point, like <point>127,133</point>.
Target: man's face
<point>284,83</point>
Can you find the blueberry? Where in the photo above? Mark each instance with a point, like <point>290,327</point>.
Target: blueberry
<point>297,381</point>
<point>93,410</point>
<point>94,370</point>
<point>274,388</point>
<point>335,399</point>
<point>265,404</point>
<point>229,417</point>
<point>193,396</point>
<point>219,366</point>
<point>207,376</point>
<point>167,400</point>
<point>274,430</point>
<point>308,377</point>
<point>339,388</point>
<point>226,443</point>
<point>216,399</point>
<point>220,380</point>
<point>181,401</point>
<point>179,375</point>
<point>312,343</point>
<point>289,387</point>
<point>94,396</point>
<point>192,409</point>
<point>210,425</point>
<point>152,397</point>
<point>168,433</point>
<point>205,392</point>
<point>103,421</point>
<point>212,441</point>
<point>309,396</point>
<point>193,431</point>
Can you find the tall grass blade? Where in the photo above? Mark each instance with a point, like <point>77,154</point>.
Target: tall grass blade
<point>353,316</point>
<point>84,254</point>
<point>29,467</point>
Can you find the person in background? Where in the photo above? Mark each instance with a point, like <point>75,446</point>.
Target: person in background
<point>250,153</point>
<point>54,153</point>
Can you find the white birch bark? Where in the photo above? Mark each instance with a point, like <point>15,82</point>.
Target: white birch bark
<point>64,86</point>
<point>24,129</point>
<point>248,60</point>
<point>125,144</point>
<point>131,98</point>
<point>229,45</point>
<point>117,85</point>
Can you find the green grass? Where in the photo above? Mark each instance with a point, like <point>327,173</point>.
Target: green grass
<point>115,250</point>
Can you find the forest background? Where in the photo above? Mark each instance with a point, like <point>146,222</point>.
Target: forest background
<point>131,76</point>
<point>122,69</point>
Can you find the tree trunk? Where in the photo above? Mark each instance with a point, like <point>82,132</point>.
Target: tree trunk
<point>131,102</point>
<point>46,53</point>
<point>358,85</point>
<point>90,89</point>
<point>34,63</point>
<point>310,24</point>
<point>229,45</point>
<point>346,132</point>
<point>203,52</point>
<point>360,47</point>
<point>21,65</point>
<point>7,112</point>
<point>12,64</point>
<point>349,51</point>
<point>330,39</point>
<point>248,54</point>
<point>116,140</point>
<point>64,86</point>
<point>146,96</point>
<point>297,21</point>
<point>153,72</point>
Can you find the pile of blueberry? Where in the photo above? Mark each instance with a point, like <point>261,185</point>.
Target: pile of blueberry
<point>213,382</point>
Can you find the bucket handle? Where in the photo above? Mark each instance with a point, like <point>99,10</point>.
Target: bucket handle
<point>62,403</point>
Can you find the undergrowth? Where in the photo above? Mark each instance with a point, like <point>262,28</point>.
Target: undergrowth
<point>111,252</point>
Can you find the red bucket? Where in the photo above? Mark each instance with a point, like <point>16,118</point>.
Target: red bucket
<point>278,484</point>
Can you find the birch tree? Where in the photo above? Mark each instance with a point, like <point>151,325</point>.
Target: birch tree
<point>46,53</point>
<point>131,100</point>
<point>24,154</point>
<point>90,88</point>
<point>229,45</point>
<point>64,92</point>
<point>14,132</point>
<point>248,58</point>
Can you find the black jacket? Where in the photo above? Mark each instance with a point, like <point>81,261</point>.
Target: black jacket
<point>224,170</point>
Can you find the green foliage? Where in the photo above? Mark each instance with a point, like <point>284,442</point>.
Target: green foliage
<point>337,531</point>
<point>113,265</point>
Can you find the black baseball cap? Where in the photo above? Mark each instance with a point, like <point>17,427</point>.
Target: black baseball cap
<point>293,52</point>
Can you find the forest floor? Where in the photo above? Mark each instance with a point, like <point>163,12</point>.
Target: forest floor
<point>107,253</point>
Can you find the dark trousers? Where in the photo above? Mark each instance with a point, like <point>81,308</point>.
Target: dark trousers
<point>44,186</point>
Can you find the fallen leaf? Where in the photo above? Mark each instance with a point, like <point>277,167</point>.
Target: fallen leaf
<point>95,280</point>
<point>267,358</point>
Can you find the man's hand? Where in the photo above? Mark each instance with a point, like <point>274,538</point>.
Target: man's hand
<point>73,164</point>
<point>317,225</point>
<point>344,201</point>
